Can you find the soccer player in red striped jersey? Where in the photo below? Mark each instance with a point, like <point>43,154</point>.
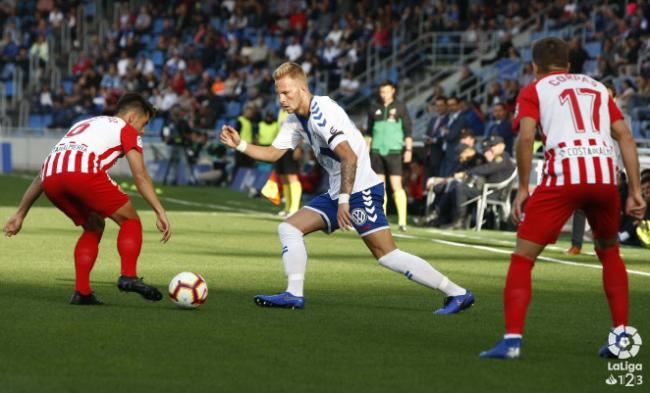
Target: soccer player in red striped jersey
<point>74,178</point>
<point>580,124</point>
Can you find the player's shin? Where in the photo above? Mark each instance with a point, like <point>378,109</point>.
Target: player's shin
<point>401,202</point>
<point>615,284</point>
<point>294,256</point>
<point>418,270</point>
<point>517,293</point>
<point>85,254</point>
<point>129,244</point>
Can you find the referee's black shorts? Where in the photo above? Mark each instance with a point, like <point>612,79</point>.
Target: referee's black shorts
<point>287,165</point>
<point>388,165</point>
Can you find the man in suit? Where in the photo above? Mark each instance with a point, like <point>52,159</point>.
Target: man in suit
<point>456,122</point>
<point>434,138</point>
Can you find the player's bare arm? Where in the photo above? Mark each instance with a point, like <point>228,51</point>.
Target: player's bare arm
<point>635,205</point>
<point>146,189</point>
<point>348,173</point>
<point>230,137</point>
<point>15,222</point>
<point>524,152</point>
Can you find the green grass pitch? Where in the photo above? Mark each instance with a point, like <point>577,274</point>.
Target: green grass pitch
<point>364,328</point>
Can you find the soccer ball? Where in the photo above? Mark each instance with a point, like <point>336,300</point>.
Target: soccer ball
<point>188,290</point>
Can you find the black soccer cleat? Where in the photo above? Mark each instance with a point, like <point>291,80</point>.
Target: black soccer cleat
<point>135,284</point>
<point>78,299</point>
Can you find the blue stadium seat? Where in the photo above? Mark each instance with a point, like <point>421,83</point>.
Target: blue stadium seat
<point>35,121</point>
<point>233,109</point>
<point>67,86</point>
<point>590,67</point>
<point>158,58</point>
<point>156,125</point>
<point>158,26</point>
<point>89,10</point>
<point>9,88</point>
<point>220,123</point>
<point>526,55</point>
<point>47,120</point>
<point>145,40</point>
<point>216,23</point>
<point>593,49</point>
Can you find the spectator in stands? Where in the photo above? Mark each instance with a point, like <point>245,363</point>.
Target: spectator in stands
<point>498,168</point>
<point>434,138</point>
<point>456,122</point>
<point>176,134</point>
<point>501,126</point>
<point>293,52</point>
<point>349,87</point>
<point>143,20</point>
<point>577,56</point>
<point>247,128</point>
<point>40,50</point>
<point>414,180</point>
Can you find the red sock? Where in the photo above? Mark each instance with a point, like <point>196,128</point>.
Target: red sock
<point>615,283</point>
<point>129,243</point>
<point>85,254</point>
<point>517,293</point>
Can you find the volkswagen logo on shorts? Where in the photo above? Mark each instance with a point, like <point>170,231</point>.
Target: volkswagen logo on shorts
<point>359,217</point>
<point>624,342</point>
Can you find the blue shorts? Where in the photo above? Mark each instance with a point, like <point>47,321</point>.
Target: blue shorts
<point>366,209</point>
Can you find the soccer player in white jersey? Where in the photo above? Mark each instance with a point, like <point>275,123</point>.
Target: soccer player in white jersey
<point>355,196</point>
<point>579,122</point>
<point>74,179</point>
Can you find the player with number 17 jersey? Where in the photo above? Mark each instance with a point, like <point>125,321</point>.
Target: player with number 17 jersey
<point>574,113</point>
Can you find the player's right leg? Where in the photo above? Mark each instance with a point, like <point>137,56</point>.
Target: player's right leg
<point>294,256</point>
<point>129,245</point>
<point>85,255</point>
<point>603,214</point>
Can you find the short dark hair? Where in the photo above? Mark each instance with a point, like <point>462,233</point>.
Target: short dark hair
<point>453,98</point>
<point>388,82</point>
<point>441,98</point>
<point>137,102</point>
<point>550,52</point>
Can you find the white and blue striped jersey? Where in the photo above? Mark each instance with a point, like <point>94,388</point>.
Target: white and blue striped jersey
<point>327,126</point>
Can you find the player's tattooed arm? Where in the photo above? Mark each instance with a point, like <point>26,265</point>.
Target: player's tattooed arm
<point>348,166</point>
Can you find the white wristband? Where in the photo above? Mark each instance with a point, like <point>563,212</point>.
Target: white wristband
<point>344,198</point>
<point>242,146</point>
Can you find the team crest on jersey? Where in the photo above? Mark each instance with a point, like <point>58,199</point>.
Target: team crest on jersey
<point>359,217</point>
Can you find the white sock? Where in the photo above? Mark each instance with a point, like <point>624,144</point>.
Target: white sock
<point>294,256</point>
<point>418,270</point>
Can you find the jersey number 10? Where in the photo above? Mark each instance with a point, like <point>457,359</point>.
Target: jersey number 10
<point>572,97</point>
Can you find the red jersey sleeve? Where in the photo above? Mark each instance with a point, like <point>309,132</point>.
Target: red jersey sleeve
<point>130,139</point>
<point>614,113</point>
<point>527,106</point>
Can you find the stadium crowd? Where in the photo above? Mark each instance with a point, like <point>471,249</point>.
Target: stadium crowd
<point>210,62</point>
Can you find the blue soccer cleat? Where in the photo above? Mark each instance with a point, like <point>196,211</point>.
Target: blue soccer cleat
<point>604,352</point>
<point>282,300</point>
<point>507,348</point>
<point>456,304</point>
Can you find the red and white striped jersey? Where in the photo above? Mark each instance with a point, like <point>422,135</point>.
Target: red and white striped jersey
<point>574,113</point>
<point>91,146</point>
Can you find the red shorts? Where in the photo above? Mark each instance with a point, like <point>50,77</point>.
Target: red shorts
<point>80,194</point>
<point>549,208</point>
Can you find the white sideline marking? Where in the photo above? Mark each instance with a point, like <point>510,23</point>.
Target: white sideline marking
<point>500,251</point>
<point>503,242</point>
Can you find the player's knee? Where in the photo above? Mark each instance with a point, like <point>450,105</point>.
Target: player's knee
<point>95,223</point>
<point>604,244</point>
<point>287,231</point>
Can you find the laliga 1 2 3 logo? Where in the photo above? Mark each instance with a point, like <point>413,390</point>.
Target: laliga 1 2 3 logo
<point>624,342</point>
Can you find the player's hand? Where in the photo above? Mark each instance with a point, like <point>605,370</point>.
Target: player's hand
<point>229,136</point>
<point>344,217</point>
<point>13,225</point>
<point>635,206</point>
<point>162,223</point>
<point>408,156</point>
<point>518,206</point>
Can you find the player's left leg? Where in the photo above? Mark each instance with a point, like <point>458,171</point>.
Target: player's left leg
<point>129,245</point>
<point>383,248</point>
<point>603,215</point>
<point>400,198</point>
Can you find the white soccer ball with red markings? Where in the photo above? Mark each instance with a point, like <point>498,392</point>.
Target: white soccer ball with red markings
<point>188,290</point>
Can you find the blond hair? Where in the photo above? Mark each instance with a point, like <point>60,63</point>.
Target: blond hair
<point>291,70</point>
